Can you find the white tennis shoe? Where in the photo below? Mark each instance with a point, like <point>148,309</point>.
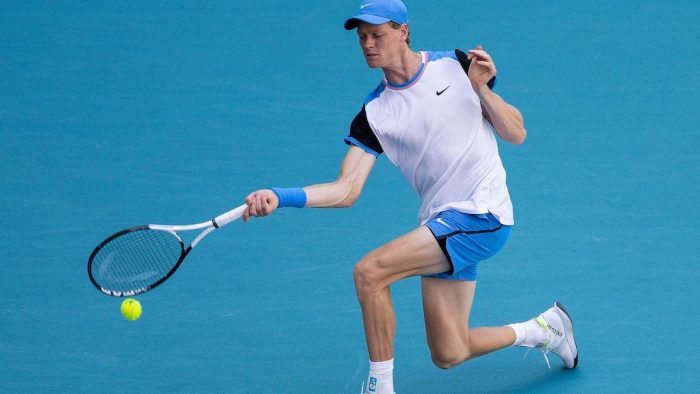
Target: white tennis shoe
<point>559,335</point>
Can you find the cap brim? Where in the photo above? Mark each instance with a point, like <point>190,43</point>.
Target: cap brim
<point>371,19</point>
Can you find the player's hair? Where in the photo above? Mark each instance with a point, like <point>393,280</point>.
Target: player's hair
<point>397,26</point>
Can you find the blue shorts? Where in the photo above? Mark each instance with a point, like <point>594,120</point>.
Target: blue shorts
<point>467,239</point>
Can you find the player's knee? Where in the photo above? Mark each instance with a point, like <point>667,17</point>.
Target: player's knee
<point>449,356</point>
<point>447,360</point>
<point>368,274</point>
<point>364,277</point>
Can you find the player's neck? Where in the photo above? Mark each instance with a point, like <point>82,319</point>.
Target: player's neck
<point>406,66</point>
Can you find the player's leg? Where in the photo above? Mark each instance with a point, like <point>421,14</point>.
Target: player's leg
<point>446,307</point>
<point>447,298</point>
<point>416,253</point>
<point>465,240</point>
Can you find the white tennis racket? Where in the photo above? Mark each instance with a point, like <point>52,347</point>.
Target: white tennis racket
<point>138,259</point>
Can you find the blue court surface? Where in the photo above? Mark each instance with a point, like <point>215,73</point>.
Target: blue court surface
<point>114,114</point>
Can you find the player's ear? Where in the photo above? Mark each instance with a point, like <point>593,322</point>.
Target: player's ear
<point>404,32</point>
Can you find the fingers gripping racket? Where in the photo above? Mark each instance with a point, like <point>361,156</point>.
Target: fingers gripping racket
<point>138,259</point>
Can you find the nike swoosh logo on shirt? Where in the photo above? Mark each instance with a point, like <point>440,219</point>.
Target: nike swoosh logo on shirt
<point>442,91</point>
<point>366,5</point>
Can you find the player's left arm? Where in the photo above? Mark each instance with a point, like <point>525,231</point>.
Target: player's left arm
<point>505,118</point>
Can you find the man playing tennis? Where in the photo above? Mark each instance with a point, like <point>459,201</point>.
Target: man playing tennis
<point>434,116</point>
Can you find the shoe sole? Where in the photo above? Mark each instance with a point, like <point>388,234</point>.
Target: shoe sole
<point>569,327</point>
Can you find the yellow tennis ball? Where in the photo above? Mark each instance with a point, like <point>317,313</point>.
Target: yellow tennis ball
<point>131,309</point>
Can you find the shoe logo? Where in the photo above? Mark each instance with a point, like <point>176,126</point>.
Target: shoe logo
<point>372,386</point>
<point>442,91</point>
<point>365,5</point>
<point>556,332</point>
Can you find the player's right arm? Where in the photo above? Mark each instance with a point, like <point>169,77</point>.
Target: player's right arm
<point>341,193</point>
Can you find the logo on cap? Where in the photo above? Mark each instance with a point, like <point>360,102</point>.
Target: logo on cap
<point>379,12</point>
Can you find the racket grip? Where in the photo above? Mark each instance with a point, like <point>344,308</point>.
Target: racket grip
<point>228,217</point>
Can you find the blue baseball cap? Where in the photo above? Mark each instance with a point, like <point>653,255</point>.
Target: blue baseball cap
<point>377,12</point>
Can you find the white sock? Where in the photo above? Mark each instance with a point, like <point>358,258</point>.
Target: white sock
<point>528,334</point>
<point>381,377</point>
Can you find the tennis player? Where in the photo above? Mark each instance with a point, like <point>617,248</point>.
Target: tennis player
<point>435,116</point>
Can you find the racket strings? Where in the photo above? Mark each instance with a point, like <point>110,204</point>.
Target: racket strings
<point>136,260</point>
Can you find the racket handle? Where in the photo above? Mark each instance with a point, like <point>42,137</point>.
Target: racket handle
<point>228,217</point>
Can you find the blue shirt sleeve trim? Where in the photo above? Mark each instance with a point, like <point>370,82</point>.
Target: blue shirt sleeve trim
<point>437,55</point>
<point>375,93</point>
<point>352,141</point>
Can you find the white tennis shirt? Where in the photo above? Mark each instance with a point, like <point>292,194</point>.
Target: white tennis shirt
<point>433,129</point>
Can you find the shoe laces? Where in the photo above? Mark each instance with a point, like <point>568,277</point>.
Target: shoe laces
<point>545,347</point>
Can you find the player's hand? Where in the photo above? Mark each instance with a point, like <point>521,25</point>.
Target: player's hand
<point>260,203</point>
<point>481,69</point>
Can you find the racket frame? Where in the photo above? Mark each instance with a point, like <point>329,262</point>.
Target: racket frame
<point>209,226</point>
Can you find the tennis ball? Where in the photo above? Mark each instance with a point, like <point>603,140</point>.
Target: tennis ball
<point>131,309</point>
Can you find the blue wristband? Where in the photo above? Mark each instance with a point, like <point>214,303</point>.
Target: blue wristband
<point>290,197</point>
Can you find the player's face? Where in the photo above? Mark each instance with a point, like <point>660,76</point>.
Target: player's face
<point>381,44</point>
